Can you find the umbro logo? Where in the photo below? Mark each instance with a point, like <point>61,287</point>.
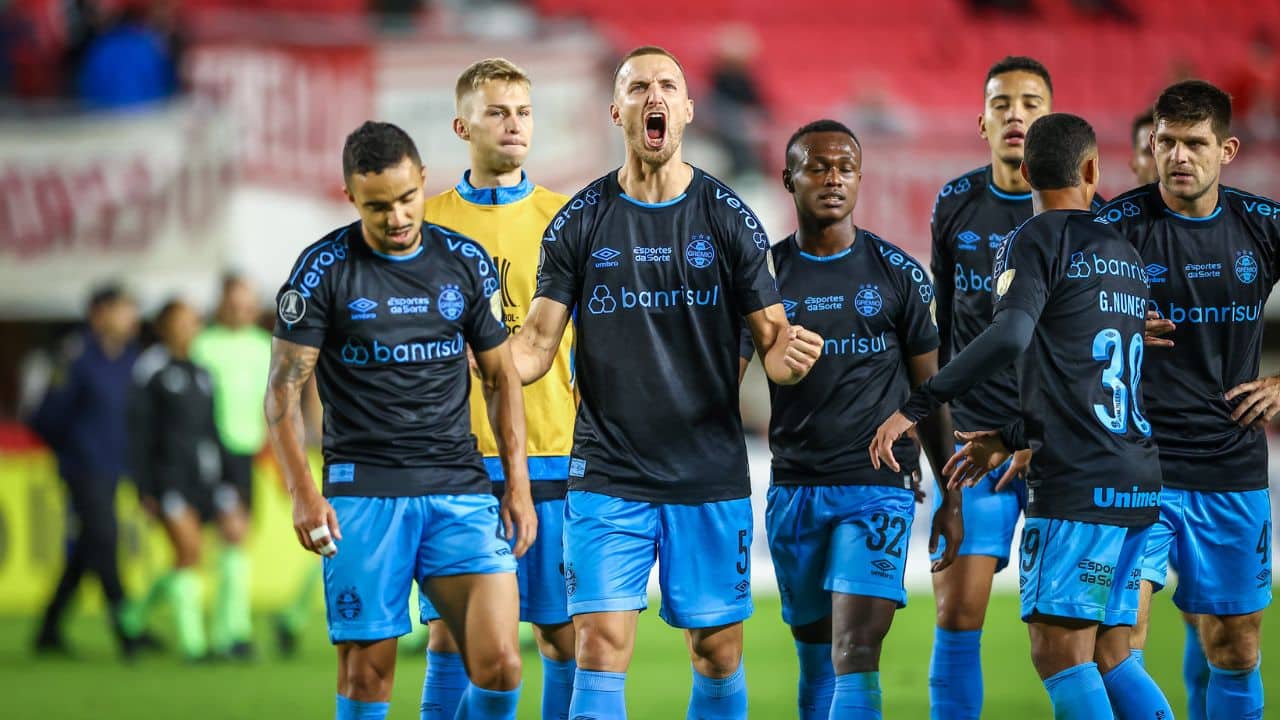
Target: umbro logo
<point>968,240</point>
<point>606,257</point>
<point>1156,273</point>
<point>362,308</point>
<point>789,307</point>
<point>883,565</point>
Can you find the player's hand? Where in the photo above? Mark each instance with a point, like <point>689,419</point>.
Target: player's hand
<point>982,452</point>
<point>1261,401</point>
<point>315,522</point>
<point>1156,327</point>
<point>1017,468</point>
<point>886,435</point>
<point>804,347</point>
<point>948,524</point>
<point>518,518</point>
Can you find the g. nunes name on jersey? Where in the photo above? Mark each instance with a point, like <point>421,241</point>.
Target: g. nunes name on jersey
<point>392,373</point>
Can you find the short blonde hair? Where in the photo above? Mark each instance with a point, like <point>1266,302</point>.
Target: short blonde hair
<point>483,71</point>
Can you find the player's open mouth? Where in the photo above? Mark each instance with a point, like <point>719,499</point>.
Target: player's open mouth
<point>1014,137</point>
<point>401,234</point>
<point>655,130</point>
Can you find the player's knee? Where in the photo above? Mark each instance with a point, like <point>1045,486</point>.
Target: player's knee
<point>856,651</point>
<point>555,642</point>
<point>716,660</point>
<point>1231,643</point>
<point>440,640</point>
<point>496,669</point>
<point>366,682</point>
<point>959,612</point>
<point>599,648</point>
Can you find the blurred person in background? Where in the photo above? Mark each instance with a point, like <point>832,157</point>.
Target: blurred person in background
<point>497,205</point>
<point>236,352</point>
<point>130,62</point>
<point>738,115</point>
<point>1142,162</point>
<point>176,460</point>
<point>83,421</point>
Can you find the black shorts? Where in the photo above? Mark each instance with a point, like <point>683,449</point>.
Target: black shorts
<point>237,472</point>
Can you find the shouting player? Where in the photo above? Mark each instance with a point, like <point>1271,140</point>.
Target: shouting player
<point>838,529</point>
<point>663,265</point>
<point>1211,254</point>
<point>496,204</point>
<point>384,310</point>
<point>1072,293</point>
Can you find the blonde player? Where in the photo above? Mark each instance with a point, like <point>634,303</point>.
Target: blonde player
<point>496,204</point>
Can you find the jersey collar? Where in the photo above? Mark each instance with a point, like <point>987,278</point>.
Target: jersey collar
<point>493,195</point>
<point>1002,195</point>
<point>1187,220</point>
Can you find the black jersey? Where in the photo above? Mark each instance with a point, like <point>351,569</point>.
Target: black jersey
<point>173,438</point>
<point>971,217</point>
<point>1079,380</point>
<point>1211,276</point>
<point>660,291</point>
<point>873,305</point>
<point>392,373</point>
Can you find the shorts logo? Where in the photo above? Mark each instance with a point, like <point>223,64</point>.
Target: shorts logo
<point>1079,269</point>
<point>348,604</point>
<point>502,551</point>
<point>700,253</point>
<point>577,467</point>
<point>883,568</point>
<point>570,580</point>
<point>292,307</point>
<point>362,309</point>
<point>744,589</point>
<point>607,257</point>
<point>602,301</point>
<point>868,301</point>
<point>1156,273</point>
<point>1246,267</point>
<point>789,307</point>
<point>451,302</point>
<point>1264,578</point>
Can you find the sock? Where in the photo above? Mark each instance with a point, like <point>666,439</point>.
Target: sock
<point>295,615</point>
<point>1077,693</point>
<point>1139,655</point>
<point>857,697</point>
<point>481,704</point>
<point>231,623</point>
<point>188,612</point>
<point>1234,694</point>
<point>598,695</point>
<point>136,615</point>
<point>955,675</point>
<point>719,698</point>
<point>1134,695</point>
<point>817,680</point>
<point>557,688</point>
<point>1195,674</point>
<point>443,686</point>
<point>349,709</point>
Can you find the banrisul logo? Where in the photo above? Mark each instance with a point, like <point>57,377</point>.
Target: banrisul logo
<point>1246,267</point>
<point>451,302</point>
<point>700,253</point>
<point>868,300</point>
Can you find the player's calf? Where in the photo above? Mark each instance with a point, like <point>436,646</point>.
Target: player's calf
<point>1235,681</point>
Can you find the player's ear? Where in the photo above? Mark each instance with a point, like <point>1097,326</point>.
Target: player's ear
<point>1091,171</point>
<point>689,119</point>
<point>786,180</point>
<point>1230,148</point>
<point>346,190</point>
<point>460,129</point>
<point>615,115</point>
<point>982,126</point>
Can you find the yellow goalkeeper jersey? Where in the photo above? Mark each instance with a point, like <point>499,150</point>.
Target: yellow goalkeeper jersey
<point>508,222</point>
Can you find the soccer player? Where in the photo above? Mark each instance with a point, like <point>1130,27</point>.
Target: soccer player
<point>1142,162</point>
<point>236,352</point>
<point>838,529</point>
<point>971,216</point>
<point>663,265</point>
<point>384,310</point>
<point>496,204</point>
<point>1211,254</point>
<point>176,459</point>
<point>1072,293</point>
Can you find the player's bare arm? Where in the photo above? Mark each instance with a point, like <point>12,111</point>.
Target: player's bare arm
<point>534,347</point>
<point>504,399</point>
<point>314,521</point>
<point>793,350</point>
<point>1257,401</point>
<point>934,433</point>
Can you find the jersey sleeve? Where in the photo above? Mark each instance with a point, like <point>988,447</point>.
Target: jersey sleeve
<point>941,266</point>
<point>754,287</point>
<point>1023,271</point>
<point>746,344</point>
<point>482,324</point>
<point>564,245</point>
<point>916,324</point>
<point>303,302</point>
